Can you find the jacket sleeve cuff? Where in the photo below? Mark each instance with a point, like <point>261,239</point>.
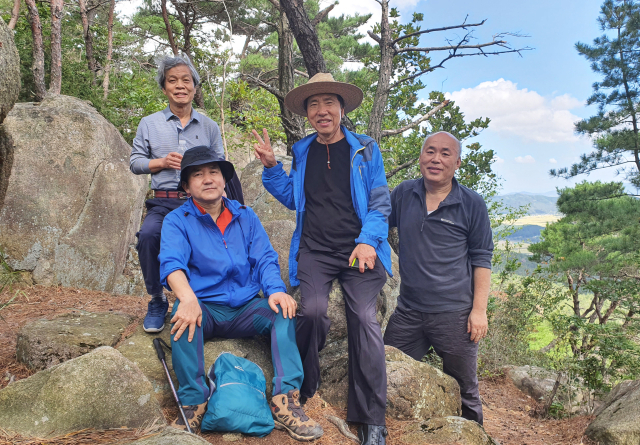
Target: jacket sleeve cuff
<point>366,239</point>
<point>171,269</point>
<point>273,289</point>
<point>274,171</point>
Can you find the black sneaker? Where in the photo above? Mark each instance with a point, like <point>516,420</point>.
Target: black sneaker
<point>372,434</point>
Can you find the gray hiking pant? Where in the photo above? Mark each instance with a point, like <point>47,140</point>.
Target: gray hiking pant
<point>414,333</point>
<point>367,396</point>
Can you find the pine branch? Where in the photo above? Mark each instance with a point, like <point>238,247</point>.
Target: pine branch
<point>451,47</point>
<point>417,122</point>
<point>402,167</point>
<point>445,28</point>
<point>276,92</point>
<point>321,15</point>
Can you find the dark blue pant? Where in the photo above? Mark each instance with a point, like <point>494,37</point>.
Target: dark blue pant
<point>414,333</point>
<point>253,318</point>
<point>149,240</point>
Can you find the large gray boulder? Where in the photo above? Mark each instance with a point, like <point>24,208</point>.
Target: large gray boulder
<point>9,71</point>
<point>618,420</point>
<point>131,281</point>
<point>100,390</point>
<point>539,382</point>
<point>446,430</point>
<point>416,390</point>
<point>258,198</point>
<point>139,349</point>
<point>44,343</point>
<point>9,90</point>
<point>170,436</point>
<point>72,206</point>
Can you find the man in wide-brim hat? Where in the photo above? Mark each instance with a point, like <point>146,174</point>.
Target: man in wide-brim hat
<point>338,188</point>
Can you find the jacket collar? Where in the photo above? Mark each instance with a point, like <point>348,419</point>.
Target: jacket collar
<point>301,147</point>
<point>233,206</point>
<point>454,196</point>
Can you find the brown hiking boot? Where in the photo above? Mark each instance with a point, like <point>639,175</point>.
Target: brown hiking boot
<point>194,414</point>
<point>289,415</point>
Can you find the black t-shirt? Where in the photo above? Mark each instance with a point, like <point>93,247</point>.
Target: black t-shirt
<point>331,223</point>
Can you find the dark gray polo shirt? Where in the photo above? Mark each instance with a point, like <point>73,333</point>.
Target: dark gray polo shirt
<point>439,250</point>
<point>159,134</point>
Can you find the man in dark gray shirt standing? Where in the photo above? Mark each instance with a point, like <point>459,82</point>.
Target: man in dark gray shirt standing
<point>157,149</point>
<point>445,255</point>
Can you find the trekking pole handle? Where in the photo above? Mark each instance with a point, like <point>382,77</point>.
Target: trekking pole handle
<point>159,350</point>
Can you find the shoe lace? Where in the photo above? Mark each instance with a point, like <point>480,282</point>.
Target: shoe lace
<point>296,409</point>
<point>157,308</point>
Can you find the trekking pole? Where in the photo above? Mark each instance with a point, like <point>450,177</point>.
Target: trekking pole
<point>160,352</point>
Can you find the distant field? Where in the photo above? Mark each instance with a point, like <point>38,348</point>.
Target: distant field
<point>537,220</point>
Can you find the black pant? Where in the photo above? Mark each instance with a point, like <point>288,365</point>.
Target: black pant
<point>367,369</point>
<point>414,333</point>
<point>149,240</point>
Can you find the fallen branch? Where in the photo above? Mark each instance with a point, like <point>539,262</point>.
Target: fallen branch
<point>342,427</point>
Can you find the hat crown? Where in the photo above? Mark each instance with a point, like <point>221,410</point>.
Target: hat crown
<point>322,77</point>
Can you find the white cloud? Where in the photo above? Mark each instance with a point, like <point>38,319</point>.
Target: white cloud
<point>528,159</point>
<point>520,112</point>
<point>498,160</point>
<point>553,161</point>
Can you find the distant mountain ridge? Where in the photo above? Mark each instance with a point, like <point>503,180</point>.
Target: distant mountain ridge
<point>538,204</point>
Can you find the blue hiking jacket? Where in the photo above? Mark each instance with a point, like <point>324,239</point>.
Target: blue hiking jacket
<point>369,192</point>
<point>229,269</point>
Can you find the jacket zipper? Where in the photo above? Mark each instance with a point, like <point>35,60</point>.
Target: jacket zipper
<point>240,383</point>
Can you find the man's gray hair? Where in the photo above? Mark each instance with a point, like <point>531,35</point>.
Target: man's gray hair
<point>458,143</point>
<point>165,63</point>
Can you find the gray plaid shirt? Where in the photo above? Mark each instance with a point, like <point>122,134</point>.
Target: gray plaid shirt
<point>159,134</point>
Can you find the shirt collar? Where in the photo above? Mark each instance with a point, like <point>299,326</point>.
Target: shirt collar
<point>454,196</point>
<point>195,116</point>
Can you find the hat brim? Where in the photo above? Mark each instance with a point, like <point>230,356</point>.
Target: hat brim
<point>351,94</point>
<point>226,168</point>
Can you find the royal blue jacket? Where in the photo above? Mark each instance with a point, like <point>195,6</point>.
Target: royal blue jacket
<point>369,192</point>
<point>227,269</point>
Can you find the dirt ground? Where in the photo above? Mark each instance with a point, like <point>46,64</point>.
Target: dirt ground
<point>507,411</point>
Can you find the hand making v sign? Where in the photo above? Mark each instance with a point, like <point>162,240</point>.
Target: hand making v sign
<point>263,149</point>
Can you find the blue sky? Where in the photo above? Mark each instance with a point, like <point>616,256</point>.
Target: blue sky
<point>532,100</point>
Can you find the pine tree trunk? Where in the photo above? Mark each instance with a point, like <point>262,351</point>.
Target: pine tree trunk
<point>384,76</point>
<point>55,83</point>
<point>292,123</point>
<point>107,69</point>
<point>88,40</point>
<point>306,36</point>
<point>38,50</point>
<point>167,24</point>
<point>15,13</point>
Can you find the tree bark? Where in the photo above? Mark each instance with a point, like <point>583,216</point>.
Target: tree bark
<point>55,83</point>
<point>292,123</point>
<point>38,50</point>
<point>384,76</point>
<point>306,36</point>
<point>167,24</point>
<point>15,13</point>
<point>107,69</point>
<point>88,40</point>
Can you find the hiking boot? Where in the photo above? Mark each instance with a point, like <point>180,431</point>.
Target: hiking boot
<point>194,414</point>
<point>156,312</point>
<point>372,434</point>
<point>289,415</point>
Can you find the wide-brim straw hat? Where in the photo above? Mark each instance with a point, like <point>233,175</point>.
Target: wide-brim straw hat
<point>323,83</point>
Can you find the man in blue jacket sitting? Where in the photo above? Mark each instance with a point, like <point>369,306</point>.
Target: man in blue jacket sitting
<point>338,188</point>
<point>215,256</point>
